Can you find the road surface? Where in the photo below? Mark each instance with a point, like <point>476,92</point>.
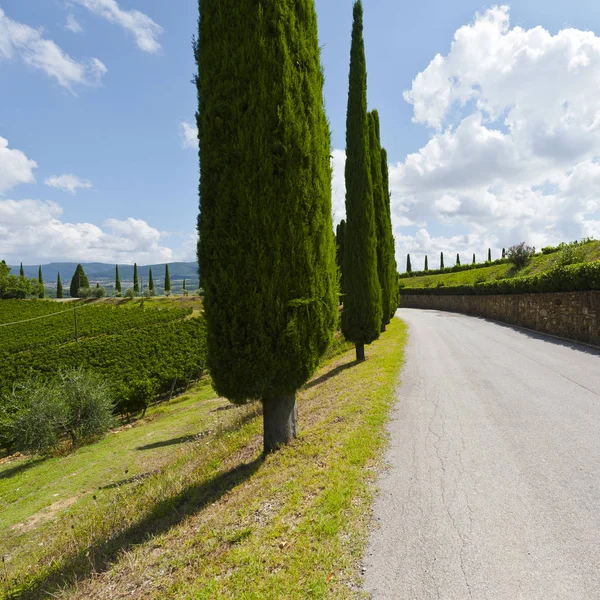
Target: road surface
<point>492,489</point>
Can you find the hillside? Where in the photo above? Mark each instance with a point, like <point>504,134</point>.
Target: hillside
<point>540,263</point>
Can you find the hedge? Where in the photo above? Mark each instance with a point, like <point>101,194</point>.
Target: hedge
<point>572,278</point>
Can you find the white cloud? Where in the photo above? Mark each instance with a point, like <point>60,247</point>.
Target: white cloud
<point>144,29</point>
<point>189,134</point>
<point>32,231</point>
<point>19,41</point>
<point>73,25</point>
<point>521,162</point>
<point>15,167</point>
<point>68,183</point>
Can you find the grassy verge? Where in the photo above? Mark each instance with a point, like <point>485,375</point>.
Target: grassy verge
<point>219,521</point>
<point>538,264</point>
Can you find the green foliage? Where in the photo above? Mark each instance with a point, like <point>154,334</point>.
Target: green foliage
<point>474,261</point>
<point>21,271</point>
<point>363,311</point>
<point>167,280</point>
<point>266,247</point>
<point>78,281</point>
<point>392,267</point>
<point>426,269</point>
<point>41,414</point>
<point>520,254</point>
<point>340,245</point>
<point>408,265</point>
<point>151,281</point>
<point>489,255</point>
<point>130,293</point>
<point>59,287</point>
<point>117,280</point>
<point>42,293</point>
<point>454,269</point>
<point>12,286</point>
<point>458,260</point>
<point>571,278</point>
<point>136,283</point>
<point>503,253</point>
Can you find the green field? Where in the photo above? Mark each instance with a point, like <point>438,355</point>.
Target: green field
<point>538,264</point>
<point>183,504</point>
<point>143,347</point>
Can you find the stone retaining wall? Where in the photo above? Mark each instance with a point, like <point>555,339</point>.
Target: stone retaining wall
<point>571,315</point>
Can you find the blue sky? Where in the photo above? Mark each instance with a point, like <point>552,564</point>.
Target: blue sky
<point>99,90</point>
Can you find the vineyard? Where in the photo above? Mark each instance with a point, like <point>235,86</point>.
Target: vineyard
<point>143,348</point>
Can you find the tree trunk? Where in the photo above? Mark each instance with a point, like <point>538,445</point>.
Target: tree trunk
<point>280,417</point>
<point>360,352</point>
<point>383,327</point>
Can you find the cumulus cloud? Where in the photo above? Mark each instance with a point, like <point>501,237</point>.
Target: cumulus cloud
<point>143,28</point>
<point>20,41</point>
<point>189,134</point>
<point>15,167</point>
<point>68,183</point>
<point>33,231</point>
<point>521,162</point>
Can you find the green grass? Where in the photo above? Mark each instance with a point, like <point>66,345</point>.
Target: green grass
<point>214,519</point>
<point>538,264</point>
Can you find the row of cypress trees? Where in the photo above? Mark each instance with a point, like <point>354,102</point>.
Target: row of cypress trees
<point>426,268</point>
<point>367,258</point>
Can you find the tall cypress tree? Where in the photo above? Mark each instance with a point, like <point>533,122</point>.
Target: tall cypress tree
<point>183,289</point>
<point>136,283</point>
<point>362,314</point>
<point>457,259</point>
<point>340,237</point>
<point>22,271</point>
<point>426,264</point>
<point>503,252</point>
<point>59,287</point>
<point>489,255</point>
<point>391,266</point>
<point>408,265</point>
<point>266,246</point>
<point>473,257</point>
<point>381,217</point>
<point>41,282</point>
<point>167,281</point>
<point>78,281</point>
<point>150,281</point>
<point>441,260</point>
<point>117,280</point>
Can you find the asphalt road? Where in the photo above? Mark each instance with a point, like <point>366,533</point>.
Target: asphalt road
<point>492,489</point>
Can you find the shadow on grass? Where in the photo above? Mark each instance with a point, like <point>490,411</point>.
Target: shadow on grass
<point>22,466</point>
<point>172,442</point>
<point>330,374</point>
<point>134,479</point>
<point>163,516</point>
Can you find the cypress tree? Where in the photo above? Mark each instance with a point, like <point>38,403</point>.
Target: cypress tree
<point>117,280</point>
<point>489,255</point>
<point>408,265</point>
<point>22,271</point>
<point>41,282</point>
<point>167,280</point>
<point>266,247</point>
<point>474,258</point>
<point>59,287</point>
<point>426,264</point>
<point>392,266</point>
<point>150,281</point>
<point>457,259</point>
<point>503,252</point>
<point>97,285</point>
<point>441,260</point>
<point>136,283</point>
<point>183,288</point>
<point>340,244</point>
<point>78,281</point>
<point>362,314</point>
<point>381,217</point>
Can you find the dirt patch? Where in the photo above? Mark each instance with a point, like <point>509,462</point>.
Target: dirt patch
<point>45,514</point>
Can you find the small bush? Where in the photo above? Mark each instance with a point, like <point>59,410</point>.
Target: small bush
<point>98,292</point>
<point>129,293</point>
<point>550,249</point>
<point>569,254</point>
<point>42,415</point>
<point>520,254</point>
<point>84,292</point>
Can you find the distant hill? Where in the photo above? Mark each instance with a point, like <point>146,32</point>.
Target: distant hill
<point>104,274</point>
